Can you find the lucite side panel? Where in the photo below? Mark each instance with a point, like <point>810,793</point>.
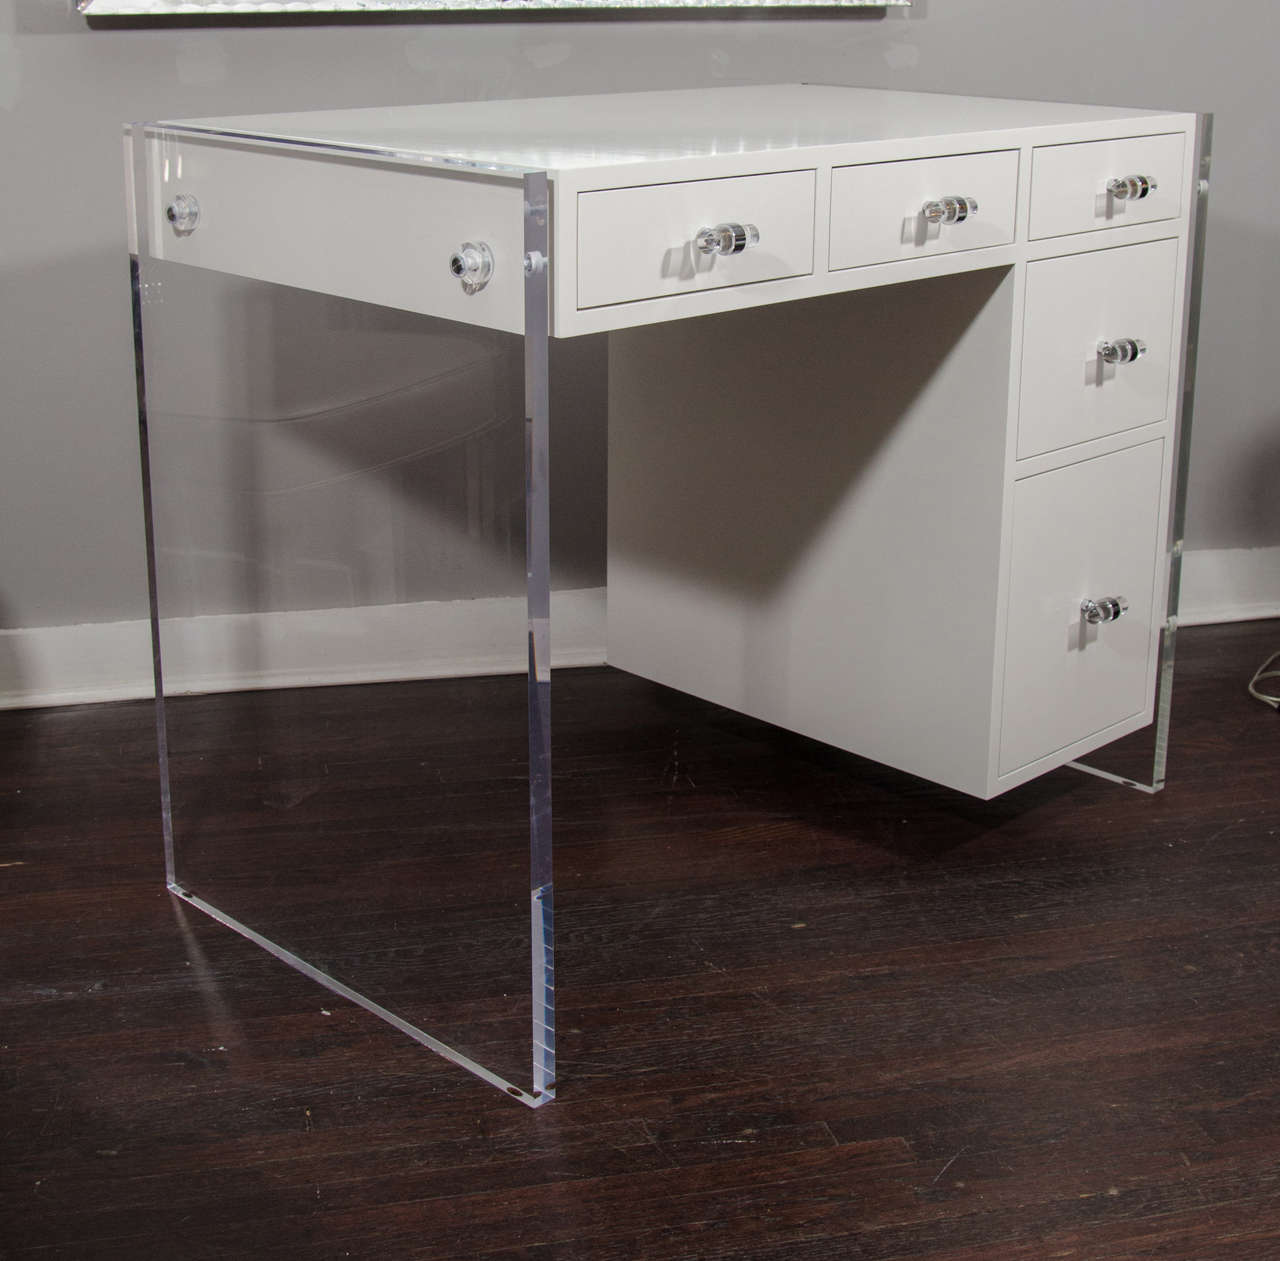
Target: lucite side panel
<point>353,621</point>
<point>537,383</point>
<point>1141,761</point>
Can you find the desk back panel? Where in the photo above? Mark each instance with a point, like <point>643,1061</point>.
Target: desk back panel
<point>808,531</point>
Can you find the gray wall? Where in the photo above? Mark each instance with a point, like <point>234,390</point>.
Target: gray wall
<point>70,529</point>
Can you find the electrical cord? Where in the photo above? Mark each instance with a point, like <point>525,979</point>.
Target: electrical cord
<point>1261,673</point>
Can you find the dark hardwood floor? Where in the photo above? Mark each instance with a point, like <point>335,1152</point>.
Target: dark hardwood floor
<point>809,1008</point>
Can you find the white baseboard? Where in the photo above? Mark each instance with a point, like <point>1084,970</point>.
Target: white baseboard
<point>110,661</point>
<point>1235,584</point>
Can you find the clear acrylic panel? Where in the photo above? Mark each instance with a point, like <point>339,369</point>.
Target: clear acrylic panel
<point>348,534</point>
<point>1141,760</point>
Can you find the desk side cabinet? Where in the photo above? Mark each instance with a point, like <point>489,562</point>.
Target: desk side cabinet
<point>926,522</point>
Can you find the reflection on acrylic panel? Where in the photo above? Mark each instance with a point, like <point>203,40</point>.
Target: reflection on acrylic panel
<point>314,453</point>
<point>327,476</point>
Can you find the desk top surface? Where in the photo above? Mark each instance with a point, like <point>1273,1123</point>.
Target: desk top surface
<point>578,132</point>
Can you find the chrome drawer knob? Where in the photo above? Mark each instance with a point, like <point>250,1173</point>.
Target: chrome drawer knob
<point>727,238</point>
<point>184,213</point>
<point>1131,187</point>
<point>1122,350</point>
<point>472,263</point>
<point>950,209</point>
<point>1106,609</point>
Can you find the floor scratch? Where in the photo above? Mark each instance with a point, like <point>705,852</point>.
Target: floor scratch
<point>948,1165</point>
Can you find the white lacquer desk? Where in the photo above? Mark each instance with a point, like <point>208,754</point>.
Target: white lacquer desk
<point>929,523</point>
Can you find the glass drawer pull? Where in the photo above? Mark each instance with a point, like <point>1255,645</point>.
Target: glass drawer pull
<point>1122,350</point>
<point>1108,608</point>
<point>1131,187</point>
<point>950,209</point>
<point>727,238</point>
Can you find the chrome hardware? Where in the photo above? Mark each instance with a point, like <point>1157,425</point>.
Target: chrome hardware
<point>1122,350</point>
<point>1107,609</point>
<point>534,262</point>
<point>473,265</point>
<point>727,238</point>
<point>184,213</point>
<point>1131,187</point>
<point>950,209</point>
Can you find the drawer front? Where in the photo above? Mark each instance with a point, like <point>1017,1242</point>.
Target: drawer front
<point>1070,393</point>
<point>1069,184</point>
<point>877,210</point>
<point>355,229</point>
<point>637,243</point>
<point>1085,531</point>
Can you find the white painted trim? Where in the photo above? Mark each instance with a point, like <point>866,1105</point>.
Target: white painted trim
<point>109,661</point>
<point>66,665</point>
<point>1235,584</point>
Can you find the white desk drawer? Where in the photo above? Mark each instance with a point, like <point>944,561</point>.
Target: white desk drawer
<point>637,243</point>
<point>1086,531</point>
<point>877,210</point>
<point>1069,392</point>
<point>1069,184</point>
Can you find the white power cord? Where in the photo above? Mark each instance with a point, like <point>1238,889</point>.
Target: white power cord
<point>1264,673</point>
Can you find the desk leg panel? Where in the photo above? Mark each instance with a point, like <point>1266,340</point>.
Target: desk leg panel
<point>331,483</point>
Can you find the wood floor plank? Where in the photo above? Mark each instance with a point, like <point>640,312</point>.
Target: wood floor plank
<point>810,1009</point>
